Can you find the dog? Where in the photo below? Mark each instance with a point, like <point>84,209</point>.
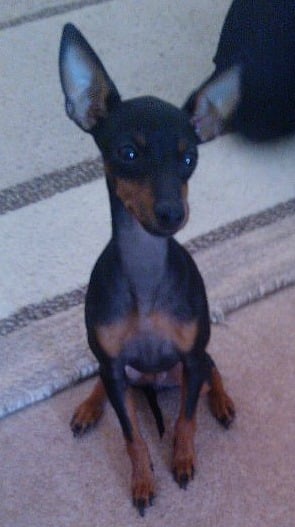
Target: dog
<point>146,309</point>
<point>252,90</point>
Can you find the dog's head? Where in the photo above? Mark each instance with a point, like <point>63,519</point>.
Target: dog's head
<point>148,145</point>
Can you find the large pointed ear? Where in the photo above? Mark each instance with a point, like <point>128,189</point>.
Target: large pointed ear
<point>213,105</point>
<point>89,92</point>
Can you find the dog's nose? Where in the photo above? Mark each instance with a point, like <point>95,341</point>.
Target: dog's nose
<point>169,215</point>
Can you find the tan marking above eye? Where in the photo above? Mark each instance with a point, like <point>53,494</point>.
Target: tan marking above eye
<point>114,337</point>
<point>140,139</point>
<point>182,146</point>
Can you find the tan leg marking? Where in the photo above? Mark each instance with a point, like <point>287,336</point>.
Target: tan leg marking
<point>142,482</point>
<point>221,405</point>
<point>88,413</point>
<point>184,457</point>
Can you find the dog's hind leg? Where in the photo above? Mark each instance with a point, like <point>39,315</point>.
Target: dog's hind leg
<point>221,405</point>
<point>89,411</point>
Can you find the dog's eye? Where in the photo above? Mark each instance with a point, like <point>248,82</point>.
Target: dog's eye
<point>189,160</point>
<point>127,153</point>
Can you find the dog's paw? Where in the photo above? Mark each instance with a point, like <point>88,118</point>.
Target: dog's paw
<point>184,457</point>
<point>183,469</point>
<point>143,492</point>
<point>85,417</point>
<point>223,408</point>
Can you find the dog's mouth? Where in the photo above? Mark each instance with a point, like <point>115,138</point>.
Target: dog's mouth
<point>165,228</point>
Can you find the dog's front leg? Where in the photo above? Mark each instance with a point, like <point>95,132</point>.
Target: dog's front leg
<point>143,485</point>
<point>121,397</point>
<point>195,373</point>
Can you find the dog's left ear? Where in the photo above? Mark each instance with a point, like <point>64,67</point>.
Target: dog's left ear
<point>214,103</point>
<point>89,92</point>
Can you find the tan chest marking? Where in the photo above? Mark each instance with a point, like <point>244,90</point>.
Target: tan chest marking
<point>112,338</point>
<point>182,334</point>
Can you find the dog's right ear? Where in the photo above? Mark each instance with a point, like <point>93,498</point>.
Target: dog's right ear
<point>89,92</point>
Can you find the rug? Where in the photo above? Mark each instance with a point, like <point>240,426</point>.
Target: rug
<point>43,347</point>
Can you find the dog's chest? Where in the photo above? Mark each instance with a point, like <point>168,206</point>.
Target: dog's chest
<point>151,342</point>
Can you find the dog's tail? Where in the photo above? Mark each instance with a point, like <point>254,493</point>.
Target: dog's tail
<point>151,395</point>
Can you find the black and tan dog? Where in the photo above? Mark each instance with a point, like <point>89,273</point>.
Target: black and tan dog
<point>252,89</point>
<point>146,306</point>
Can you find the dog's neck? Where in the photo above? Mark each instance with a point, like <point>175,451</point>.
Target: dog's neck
<point>143,256</point>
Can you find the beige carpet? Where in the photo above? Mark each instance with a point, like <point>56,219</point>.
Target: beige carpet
<point>245,477</point>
